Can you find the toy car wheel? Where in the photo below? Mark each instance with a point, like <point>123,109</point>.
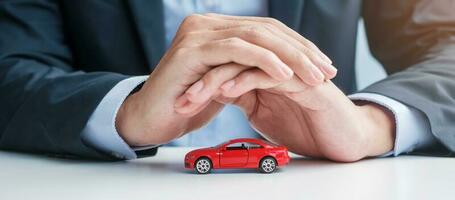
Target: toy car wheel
<point>203,165</point>
<point>267,165</point>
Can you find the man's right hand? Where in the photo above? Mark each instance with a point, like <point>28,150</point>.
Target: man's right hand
<point>202,43</point>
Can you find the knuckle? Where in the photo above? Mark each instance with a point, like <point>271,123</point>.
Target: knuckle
<point>305,62</point>
<point>298,58</point>
<point>273,21</point>
<point>309,44</point>
<point>312,55</point>
<point>306,51</point>
<point>232,42</point>
<point>269,56</point>
<point>253,32</point>
<point>246,77</point>
<point>213,75</point>
<point>217,70</point>
<point>208,79</point>
<point>192,20</point>
<point>182,39</point>
<point>187,37</point>
<point>269,27</point>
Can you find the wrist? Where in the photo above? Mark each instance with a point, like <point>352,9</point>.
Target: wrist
<point>128,127</point>
<point>379,124</point>
<point>143,121</point>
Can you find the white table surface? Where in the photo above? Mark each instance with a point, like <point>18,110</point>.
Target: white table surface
<point>25,176</point>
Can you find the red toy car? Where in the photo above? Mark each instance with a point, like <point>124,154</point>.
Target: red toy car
<point>238,153</point>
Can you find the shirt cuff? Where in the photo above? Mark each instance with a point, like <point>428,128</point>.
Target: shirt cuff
<point>412,127</point>
<point>100,131</point>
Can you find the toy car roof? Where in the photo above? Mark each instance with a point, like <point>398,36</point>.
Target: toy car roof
<point>252,140</point>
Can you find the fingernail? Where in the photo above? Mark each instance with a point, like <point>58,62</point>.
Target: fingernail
<point>326,58</point>
<point>326,67</point>
<point>330,69</point>
<point>317,74</point>
<point>195,88</point>
<point>228,85</point>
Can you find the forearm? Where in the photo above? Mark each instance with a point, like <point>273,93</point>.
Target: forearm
<point>423,74</point>
<point>429,93</point>
<point>426,86</point>
<point>46,108</point>
<point>101,132</point>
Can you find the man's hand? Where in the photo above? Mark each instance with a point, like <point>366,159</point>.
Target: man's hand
<point>202,43</point>
<point>317,121</point>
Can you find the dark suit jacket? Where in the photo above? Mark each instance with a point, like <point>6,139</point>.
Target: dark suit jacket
<point>59,58</point>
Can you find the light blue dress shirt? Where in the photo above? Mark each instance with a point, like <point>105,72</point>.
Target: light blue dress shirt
<point>412,128</point>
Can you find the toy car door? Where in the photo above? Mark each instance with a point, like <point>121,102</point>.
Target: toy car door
<point>234,155</point>
<point>255,153</point>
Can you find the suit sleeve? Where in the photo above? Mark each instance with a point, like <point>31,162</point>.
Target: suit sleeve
<point>44,102</point>
<point>415,42</point>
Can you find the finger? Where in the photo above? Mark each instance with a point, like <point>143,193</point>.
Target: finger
<point>208,86</point>
<point>187,108</point>
<point>191,108</point>
<point>300,62</point>
<point>245,81</point>
<point>235,50</point>
<point>212,82</point>
<point>201,23</point>
<point>279,25</point>
<point>211,21</point>
<point>282,31</point>
<point>257,79</point>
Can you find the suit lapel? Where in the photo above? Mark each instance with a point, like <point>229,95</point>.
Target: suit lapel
<point>148,19</point>
<point>289,12</point>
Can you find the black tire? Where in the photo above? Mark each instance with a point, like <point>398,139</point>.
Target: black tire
<point>203,165</point>
<point>267,165</point>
